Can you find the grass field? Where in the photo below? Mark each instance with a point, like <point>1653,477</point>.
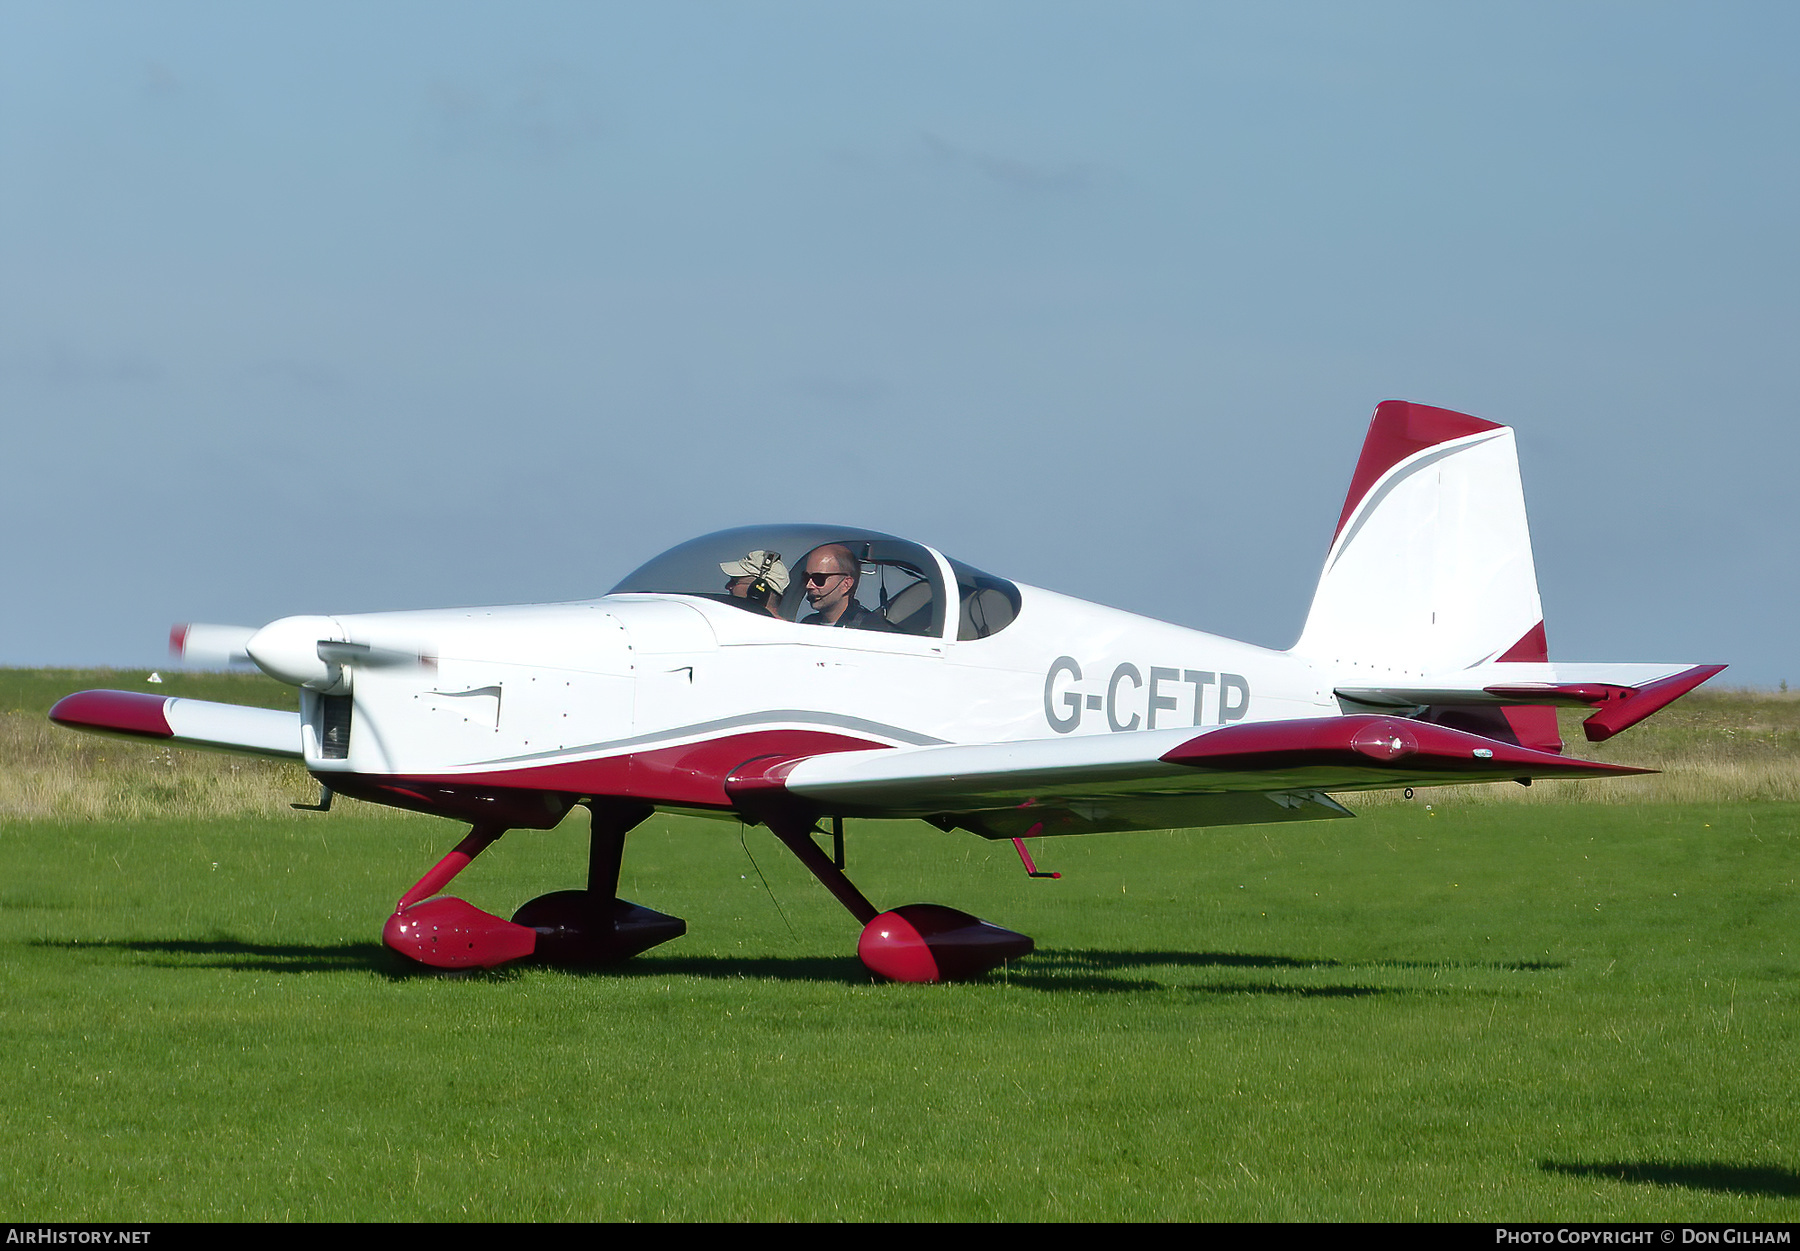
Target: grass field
<point>1481,1010</point>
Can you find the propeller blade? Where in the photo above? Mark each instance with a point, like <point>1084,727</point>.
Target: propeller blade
<point>367,656</point>
<point>202,646</point>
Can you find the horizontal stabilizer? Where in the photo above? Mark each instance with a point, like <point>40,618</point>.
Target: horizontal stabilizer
<point>182,722</point>
<point>1622,695</point>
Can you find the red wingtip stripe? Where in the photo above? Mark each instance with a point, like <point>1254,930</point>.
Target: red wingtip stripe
<point>178,639</point>
<point>114,712</point>
<point>1399,430</point>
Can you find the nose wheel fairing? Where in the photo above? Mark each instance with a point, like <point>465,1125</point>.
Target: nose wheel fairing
<point>451,933</point>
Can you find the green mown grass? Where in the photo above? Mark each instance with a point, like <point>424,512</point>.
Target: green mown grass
<point>50,773</point>
<point>1487,1011</point>
<point>33,691</point>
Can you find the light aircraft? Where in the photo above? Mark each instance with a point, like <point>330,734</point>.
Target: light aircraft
<point>720,678</point>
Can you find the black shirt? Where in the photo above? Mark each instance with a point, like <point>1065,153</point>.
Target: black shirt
<point>855,617</point>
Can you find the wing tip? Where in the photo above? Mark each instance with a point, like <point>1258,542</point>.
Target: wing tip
<point>135,714</point>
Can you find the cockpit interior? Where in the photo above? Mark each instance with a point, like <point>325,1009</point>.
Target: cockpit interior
<point>832,576</point>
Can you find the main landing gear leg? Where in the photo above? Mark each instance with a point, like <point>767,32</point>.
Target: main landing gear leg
<point>915,943</point>
<point>595,926</point>
<point>450,933</point>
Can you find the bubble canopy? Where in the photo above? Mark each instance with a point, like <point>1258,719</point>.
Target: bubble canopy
<point>897,586</point>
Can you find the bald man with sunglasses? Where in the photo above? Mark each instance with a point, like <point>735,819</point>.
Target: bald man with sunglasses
<point>831,573</point>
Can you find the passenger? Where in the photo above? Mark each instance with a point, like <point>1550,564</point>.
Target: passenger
<point>832,572</point>
<point>759,579</point>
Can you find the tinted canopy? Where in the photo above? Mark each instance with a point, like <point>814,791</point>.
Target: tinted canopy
<point>862,579</point>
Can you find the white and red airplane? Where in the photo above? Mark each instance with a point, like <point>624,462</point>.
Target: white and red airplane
<point>790,675</point>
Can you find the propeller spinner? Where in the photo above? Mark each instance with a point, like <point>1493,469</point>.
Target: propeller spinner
<point>306,651</point>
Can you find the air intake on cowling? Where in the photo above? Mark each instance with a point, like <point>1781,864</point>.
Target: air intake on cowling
<point>334,727</point>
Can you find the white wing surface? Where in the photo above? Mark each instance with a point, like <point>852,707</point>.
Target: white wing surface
<point>1153,779</point>
<point>182,722</point>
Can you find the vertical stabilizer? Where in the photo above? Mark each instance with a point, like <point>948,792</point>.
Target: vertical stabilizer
<point>1431,569</point>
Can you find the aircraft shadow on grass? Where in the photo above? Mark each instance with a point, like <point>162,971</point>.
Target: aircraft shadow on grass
<point>1238,959</point>
<point>1091,971</point>
<point>230,953</point>
<point>1732,1179</point>
<point>1099,971</point>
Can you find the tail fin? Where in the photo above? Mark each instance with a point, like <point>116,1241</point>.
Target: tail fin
<point>1430,569</point>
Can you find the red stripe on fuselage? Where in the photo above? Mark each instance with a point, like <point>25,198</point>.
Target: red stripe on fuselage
<point>691,775</point>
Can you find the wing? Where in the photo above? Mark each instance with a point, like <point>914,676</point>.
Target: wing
<point>1150,779</point>
<point>182,722</point>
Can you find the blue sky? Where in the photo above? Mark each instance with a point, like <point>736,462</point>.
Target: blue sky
<point>344,307</point>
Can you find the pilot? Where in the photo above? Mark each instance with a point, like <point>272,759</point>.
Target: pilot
<point>759,579</point>
<point>832,572</point>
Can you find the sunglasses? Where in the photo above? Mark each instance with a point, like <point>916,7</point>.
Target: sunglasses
<point>820,579</point>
